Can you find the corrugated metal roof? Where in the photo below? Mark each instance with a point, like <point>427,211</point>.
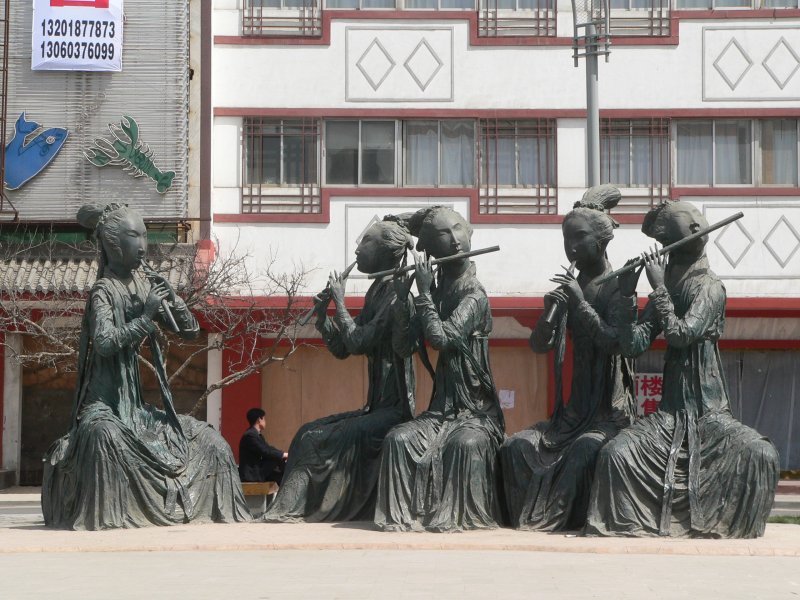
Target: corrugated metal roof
<point>62,268</point>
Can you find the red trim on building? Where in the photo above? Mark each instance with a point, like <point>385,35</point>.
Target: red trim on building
<point>237,399</point>
<point>475,40</point>
<point>679,192</point>
<point>206,119</point>
<point>488,113</point>
<point>687,113</point>
<point>2,392</point>
<point>402,113</point>
<point>326,193</point>
<point>393,15</point>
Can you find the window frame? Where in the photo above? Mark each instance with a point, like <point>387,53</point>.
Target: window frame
<point>360,183</point>
<point>305,195</point>
<point>405,154</point>
<point>542,196</point>
<point>756,154</point>
<point>653,192</point>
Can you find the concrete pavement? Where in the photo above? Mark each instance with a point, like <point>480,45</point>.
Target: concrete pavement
<point>22,531</point>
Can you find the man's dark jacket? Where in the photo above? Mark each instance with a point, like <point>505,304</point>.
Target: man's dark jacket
<point>258,461</point>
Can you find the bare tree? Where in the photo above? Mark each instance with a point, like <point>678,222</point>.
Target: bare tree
<point>43,288</point>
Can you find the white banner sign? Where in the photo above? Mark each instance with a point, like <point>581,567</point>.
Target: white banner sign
<point>648,392</point>
<point>77,35</point>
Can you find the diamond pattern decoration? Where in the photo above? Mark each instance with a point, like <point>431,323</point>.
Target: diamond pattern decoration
<point>423,64</point>
<point>375,219</point>
<point>375,64</point>
<point>733,63</point>
<point>786,241</point>
<point>734,241</point>
<point>781,63</point>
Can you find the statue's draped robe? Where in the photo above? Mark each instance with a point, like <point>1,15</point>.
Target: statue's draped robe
<point>548,469</point>
<point>440,471</point>
<point>690,469</point>
<point>125,463</point>
<point>332,471</point>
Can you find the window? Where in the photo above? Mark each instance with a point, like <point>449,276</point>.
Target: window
<point>360,4</point>
<point>714,152</point>
<point>518,168</point>
<point>439,153</point>
<point>639,17</point>
<point>499,18</point>
<point>439,4</point>
<point>282,17</point>
<point>737,152</point>
<point>280,165</point>
<point>723,4</point>
<point>360,152</point>
<point>779,152</point>
<point>634,156</point>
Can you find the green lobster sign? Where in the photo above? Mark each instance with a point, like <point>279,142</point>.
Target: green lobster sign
<point>125,149</point>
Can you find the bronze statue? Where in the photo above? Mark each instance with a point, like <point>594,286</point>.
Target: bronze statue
<point>125,463</point>
<point>332,472</point>
<point>689,469</point>
<point>439,472</point>
<point>548,468</point>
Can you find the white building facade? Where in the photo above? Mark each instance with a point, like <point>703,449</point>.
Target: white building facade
<point>323,118</point>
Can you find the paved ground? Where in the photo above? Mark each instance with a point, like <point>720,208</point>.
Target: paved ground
<point>354,561</point>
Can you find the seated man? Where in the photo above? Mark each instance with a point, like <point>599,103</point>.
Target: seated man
<point>258,461</point>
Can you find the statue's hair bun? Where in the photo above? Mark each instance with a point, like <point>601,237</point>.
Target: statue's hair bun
<point>89,215</point>
<point>600,197</point>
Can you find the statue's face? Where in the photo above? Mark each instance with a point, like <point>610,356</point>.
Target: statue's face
<point>581,244</point>
<point>132,243</point>
<point>445,235</point>
<point>371,254</point>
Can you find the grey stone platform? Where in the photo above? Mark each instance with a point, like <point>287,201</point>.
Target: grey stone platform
<point>22,531</point>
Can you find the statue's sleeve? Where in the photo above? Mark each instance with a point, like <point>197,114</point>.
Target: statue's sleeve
<point>543,338</point>
<point>405,328</point>
<point>604,332</point>
<point>360,336</point>
<point>635,336</point>
<point>444,335</point>
<point>108,338</point>
<point>332,338</point>
<point>704,310</point>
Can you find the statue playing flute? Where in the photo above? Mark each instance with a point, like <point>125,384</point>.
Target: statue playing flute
<point>690,469</point>
<point>548,468</point>
<point>332,470</point>
<point>439,472</point>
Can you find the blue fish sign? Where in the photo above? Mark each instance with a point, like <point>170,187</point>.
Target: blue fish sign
<point>26,159</point>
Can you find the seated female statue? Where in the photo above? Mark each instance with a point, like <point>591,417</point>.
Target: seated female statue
<point>332,472</point>
<point>548,469</point>
<point>439,472</point>
<point>125,463</point>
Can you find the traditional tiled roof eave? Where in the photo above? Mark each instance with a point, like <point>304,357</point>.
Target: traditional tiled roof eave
<point>65,269</point>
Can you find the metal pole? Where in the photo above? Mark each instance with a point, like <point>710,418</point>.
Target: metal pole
<point>592,109</point>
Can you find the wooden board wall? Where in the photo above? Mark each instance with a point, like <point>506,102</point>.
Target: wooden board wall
<point>314,384</point>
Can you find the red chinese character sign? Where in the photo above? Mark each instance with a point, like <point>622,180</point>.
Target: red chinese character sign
<point>77,35</point>
<point>648,392</point>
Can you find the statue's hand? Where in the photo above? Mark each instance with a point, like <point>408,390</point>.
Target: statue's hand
<point>336,285</point>
<point>556,296</point>
<point>402,285</point>
<point>655,267</point>
<point>424,274</point>
<point>162,281</point>
<point>153,303</point>
<point>569,285</point>
<point>627,281</point>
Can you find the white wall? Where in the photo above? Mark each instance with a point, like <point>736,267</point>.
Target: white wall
<point>637,77</point>
<point>12,405</point>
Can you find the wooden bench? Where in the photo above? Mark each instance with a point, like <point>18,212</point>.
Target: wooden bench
<point>258,495</point>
